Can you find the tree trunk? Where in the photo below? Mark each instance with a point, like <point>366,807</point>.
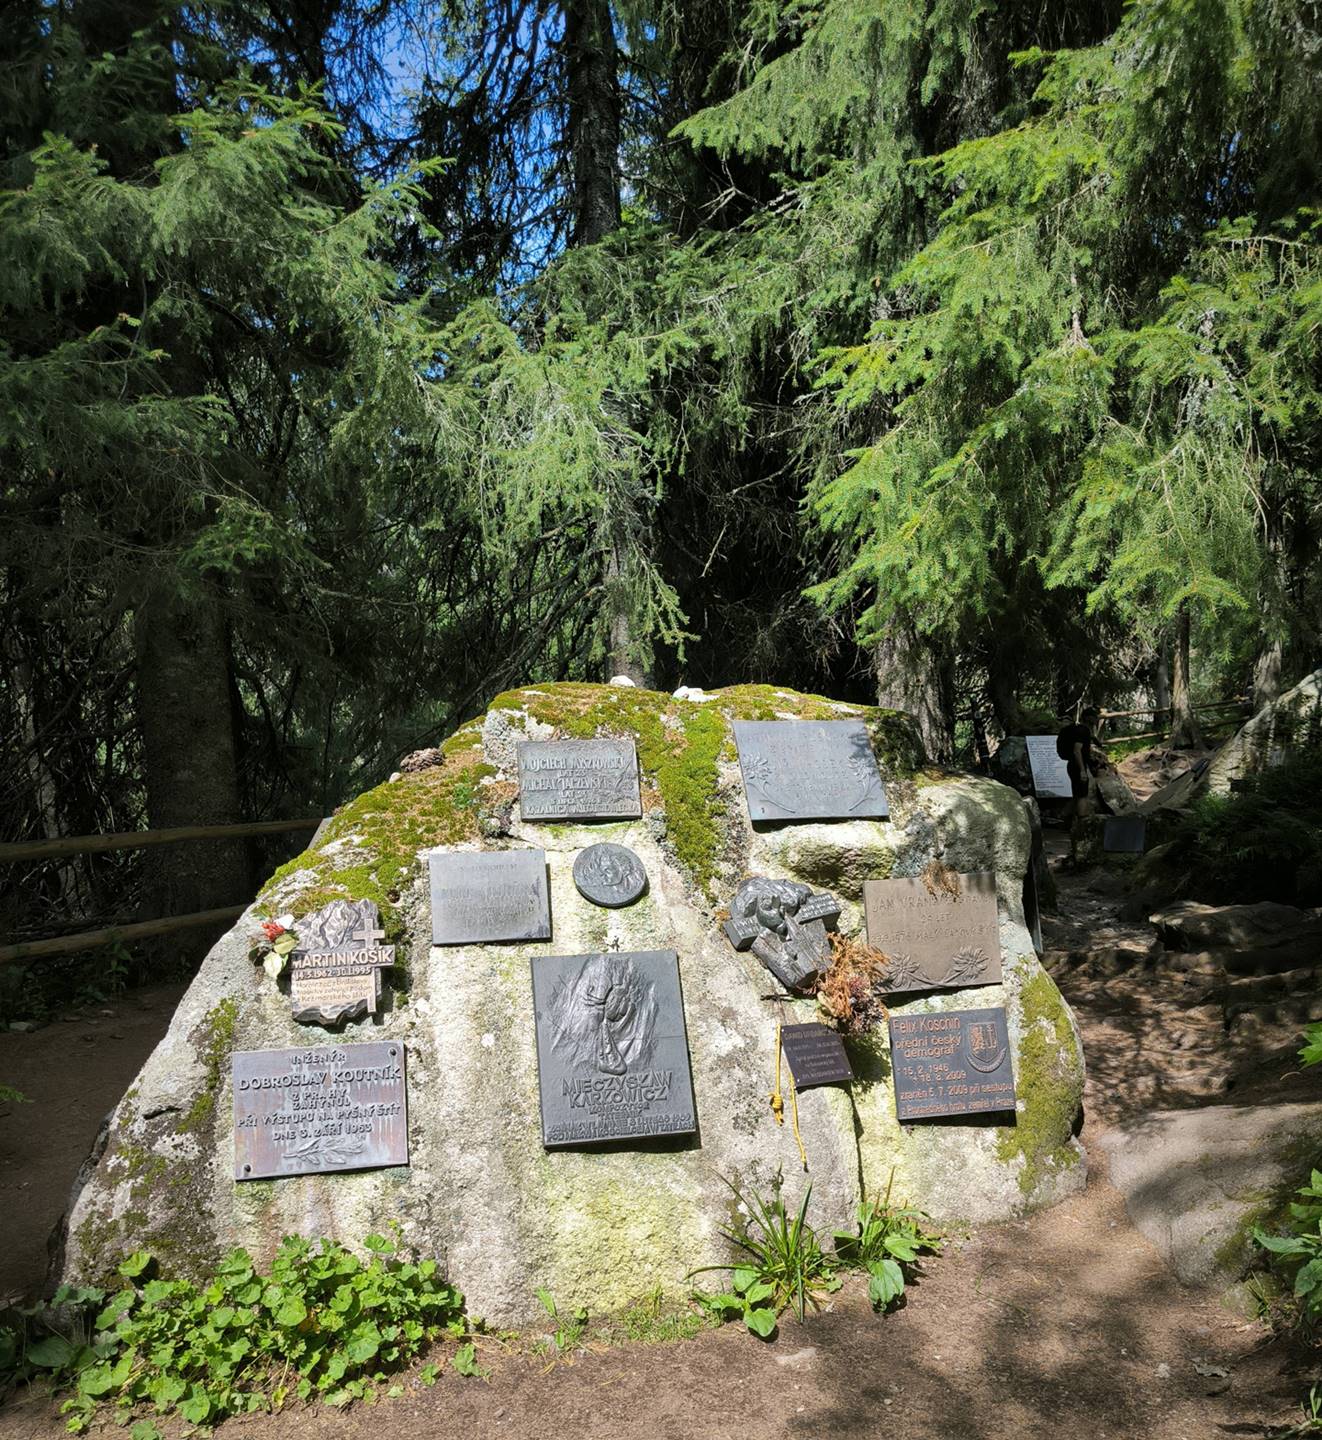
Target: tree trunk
<point>593,94</point>
<point>622,659</point>
<point>189,751</point>
<point>912,676</point>
<point>1161,680</point>
<point>1185,734</point>
<point>1267,675</point>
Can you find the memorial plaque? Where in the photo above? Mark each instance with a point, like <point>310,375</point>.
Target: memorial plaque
<point>1124,834</point>
<point>816,1055</point>
<point>335,971</point>
<point>333,1107</point>
<point>784,923</point>
<point>609,875</point>
<point>1051,779</point>
<point>809,770</point>
<point>485,896</point>
<point>612,1048</point>
<point>579,780</point>
<point>957,1063</point>
<point>935,941</point>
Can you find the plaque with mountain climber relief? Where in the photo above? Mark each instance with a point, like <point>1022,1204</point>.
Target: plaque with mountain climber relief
<point>612,1047</point>
<point>942,935</point>
<point>809,770</point>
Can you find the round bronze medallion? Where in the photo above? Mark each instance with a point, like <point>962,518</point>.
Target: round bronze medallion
<point>609,875</point>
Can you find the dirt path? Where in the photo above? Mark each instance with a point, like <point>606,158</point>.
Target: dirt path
<point>1067,1324</point>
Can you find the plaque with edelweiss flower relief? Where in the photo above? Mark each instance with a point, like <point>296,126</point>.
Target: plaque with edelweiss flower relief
<point>612,1047</point>
<point>809,770</point>
<point>938,937</point>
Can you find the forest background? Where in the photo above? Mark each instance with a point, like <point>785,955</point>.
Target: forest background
<point>359,362</point>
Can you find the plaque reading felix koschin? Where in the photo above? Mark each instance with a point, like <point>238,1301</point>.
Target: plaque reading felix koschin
<point>956,1063</point>
<point>612,1048</point>
<point>938,937</point>
<point>1051,776</point>
<point>808,770</point>
<point>334,1107</point>
<point>579,780</point>
<point>487,896</point>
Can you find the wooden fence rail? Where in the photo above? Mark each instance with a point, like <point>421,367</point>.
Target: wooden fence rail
<point>140,839</point>
<point>139,930</point>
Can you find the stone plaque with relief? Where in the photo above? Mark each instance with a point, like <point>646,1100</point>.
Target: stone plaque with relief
<point>937,938</point>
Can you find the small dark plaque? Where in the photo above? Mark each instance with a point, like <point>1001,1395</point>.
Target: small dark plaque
<point>784,924</point>
<point>485,896</point>
<point>609,875</point>
<point>816,1055</point>
<point>578,780</point>
<point>1124,834</point>
<point>1051,778</point>
<point>955,1063</point>
<point>335,973</point>
<point>936,940</point>
<point>335,1107</point>
<point>612,1049</point>
<point>808,770</point>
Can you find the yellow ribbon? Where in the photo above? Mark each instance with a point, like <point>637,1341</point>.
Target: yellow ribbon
<point>778,1103</point>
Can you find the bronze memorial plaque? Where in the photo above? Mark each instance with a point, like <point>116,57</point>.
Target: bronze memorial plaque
<point>936,940</point>
<point>957,1063</point>
<point>612,1047</point>
<point>335,1107</point>
<point>578,780</point>
<point>485,896</point>
<point>1051,778</point>
<point>809,770</point>
<point>816,1054</point>
<point>335,970</point>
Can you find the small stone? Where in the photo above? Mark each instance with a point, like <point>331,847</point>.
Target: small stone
<point>1163,1371</point>
<point>23,1027</point>
<point>623,680</point>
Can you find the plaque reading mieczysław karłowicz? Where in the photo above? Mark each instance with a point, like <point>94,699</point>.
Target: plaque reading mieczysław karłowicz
<point>479,898</point>
<point>816,1055</point>
<point>335,971</point>
<point>956,1063</point>
<point>335,1107</point>
<point>612,1048</point>
<point>579,780</point>
<point>809,770</point>
<point>935,939</point>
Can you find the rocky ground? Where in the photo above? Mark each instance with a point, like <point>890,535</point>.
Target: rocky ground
<point>1067,1323</point>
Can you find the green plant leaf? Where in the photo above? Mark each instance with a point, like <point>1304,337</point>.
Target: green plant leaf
<point>53,1352</point>
<point>761,1320</point>
<point>134,1265</point>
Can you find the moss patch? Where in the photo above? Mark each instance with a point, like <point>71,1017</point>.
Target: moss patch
<point>1047,1083</point>
<point>381,832</point>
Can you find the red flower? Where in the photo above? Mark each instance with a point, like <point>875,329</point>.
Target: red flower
<point>272,930</point>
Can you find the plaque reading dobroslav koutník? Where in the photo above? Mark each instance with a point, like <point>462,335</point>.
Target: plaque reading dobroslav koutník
<point>937,936</point>
<point>612,1047</point>
<point>332,1107</point>
<point>485,897</point>
<point>579,780</point>
<point>809,770</point>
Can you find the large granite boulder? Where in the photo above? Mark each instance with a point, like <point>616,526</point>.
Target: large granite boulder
<point>596,1227</point>
<point>1196,1182</point>
<point>1291,724</point>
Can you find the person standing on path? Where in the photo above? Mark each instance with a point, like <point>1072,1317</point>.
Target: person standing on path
<point>1074,745</point>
